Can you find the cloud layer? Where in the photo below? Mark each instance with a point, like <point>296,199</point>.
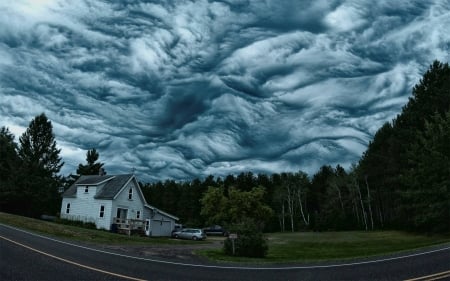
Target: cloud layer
<point>184,89</point>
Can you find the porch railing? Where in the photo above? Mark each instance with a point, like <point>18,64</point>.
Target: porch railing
<point>128,226</point>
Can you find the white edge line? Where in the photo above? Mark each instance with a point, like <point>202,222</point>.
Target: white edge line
<point>231,267</point>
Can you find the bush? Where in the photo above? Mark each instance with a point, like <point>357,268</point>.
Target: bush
<point>88,225</point>
<point>250,241</point>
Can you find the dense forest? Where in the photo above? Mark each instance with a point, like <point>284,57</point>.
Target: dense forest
<point>402,180</point>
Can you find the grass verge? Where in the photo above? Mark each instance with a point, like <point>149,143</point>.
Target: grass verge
<point>83,234</point>
<point>332,246</point>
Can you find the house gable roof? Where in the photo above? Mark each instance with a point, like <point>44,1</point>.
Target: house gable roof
<point>93,180</point>
<point>161,212</point>
<point>112,185</point>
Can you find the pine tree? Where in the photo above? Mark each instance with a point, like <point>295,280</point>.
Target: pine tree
<point>38,147</point>
<point>41,164</point>
<point>9,163</point>
<point>92,167</point>
<point>427,200</point>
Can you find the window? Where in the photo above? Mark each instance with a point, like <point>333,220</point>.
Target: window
<point>138,214</point>
<point>130,194</point>
<point>102,211</point>
<point>86,189</point>
<point>68,208</point>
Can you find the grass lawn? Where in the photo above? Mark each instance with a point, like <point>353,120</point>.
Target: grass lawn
<point>84,234</point>
<point>320,246</point>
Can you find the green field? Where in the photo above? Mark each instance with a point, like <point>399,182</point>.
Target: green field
<point>321,246</point>
<point>283,247</point>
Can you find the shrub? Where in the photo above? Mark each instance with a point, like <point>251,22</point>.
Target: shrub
<point>88,225</point>
<point>250,241</point>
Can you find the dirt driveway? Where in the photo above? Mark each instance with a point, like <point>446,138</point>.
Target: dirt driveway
<point>181,253</point>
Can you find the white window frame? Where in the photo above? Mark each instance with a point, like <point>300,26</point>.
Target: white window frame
<point>102,211</point>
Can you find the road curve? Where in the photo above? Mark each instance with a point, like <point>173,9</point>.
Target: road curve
<point>25,255</point>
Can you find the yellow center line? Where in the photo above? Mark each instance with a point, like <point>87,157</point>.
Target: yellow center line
<point>436,276</point>
<point>72,262</point>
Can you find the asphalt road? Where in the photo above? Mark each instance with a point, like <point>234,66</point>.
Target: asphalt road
<point>27,256</point>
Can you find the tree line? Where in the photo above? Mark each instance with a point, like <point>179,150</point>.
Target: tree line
<point>401,181</point>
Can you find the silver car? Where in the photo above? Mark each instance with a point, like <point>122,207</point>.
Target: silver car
<point>190,233</point>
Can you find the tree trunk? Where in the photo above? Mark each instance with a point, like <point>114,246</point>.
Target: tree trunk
<point>306,221</point>
<point>339,194</point>
<point>290,202</point>
<point>370,204</point>
<point>362,206</point>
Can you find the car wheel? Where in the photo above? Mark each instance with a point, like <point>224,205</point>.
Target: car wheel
<point>194,238</point>
<point>176,236</point>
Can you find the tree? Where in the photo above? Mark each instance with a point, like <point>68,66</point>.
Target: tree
<point>8,154</point>
<point>38,147</point>
<point>40,167</point>
<point>214,206</point>
<point>92,167</point>
<point>318,197</point>
<point>239,205</point>
<point>427,200</point>
<point>244,213</point>
<point>248,205</point>
<point>9,163</point>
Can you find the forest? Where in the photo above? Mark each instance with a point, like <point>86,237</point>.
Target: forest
<point>402,180</point>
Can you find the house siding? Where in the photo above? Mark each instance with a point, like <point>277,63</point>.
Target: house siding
<point>133,206</point>
<point>161,225</point>
<point>87,210</point>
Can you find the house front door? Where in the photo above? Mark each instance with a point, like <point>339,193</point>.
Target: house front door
<point>122,213</point>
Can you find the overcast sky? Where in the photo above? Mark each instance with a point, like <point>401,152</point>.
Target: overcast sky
<point>185,89</point>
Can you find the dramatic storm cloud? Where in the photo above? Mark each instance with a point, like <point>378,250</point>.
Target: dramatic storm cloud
<point>184,89</point>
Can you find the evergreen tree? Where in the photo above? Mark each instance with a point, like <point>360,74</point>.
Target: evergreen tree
<point>427,200</point>
<point>9,163</point>
<point>92,167</point>
<point>41,164</point>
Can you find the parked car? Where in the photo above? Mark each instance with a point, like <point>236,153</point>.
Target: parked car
<point>215,230</point>
<point>190,233</point>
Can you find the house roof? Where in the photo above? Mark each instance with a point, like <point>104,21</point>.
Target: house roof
<point>161,212</point>
<point>113,184</point>
<point>92,180</point>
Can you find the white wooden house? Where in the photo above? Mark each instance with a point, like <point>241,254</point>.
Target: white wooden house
<point>114,202</point>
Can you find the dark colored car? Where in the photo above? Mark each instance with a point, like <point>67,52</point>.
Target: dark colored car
<point>215,230</point>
